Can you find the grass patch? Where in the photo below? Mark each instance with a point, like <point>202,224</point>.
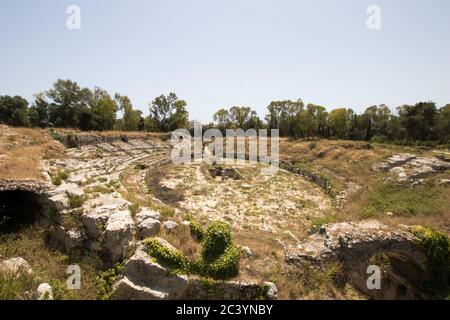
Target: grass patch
<point>403,200</point>
<point>75,201</point>
<point>318,222</point>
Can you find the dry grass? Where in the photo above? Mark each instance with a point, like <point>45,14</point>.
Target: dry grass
<point>48,265</point>
<point>21,152</point>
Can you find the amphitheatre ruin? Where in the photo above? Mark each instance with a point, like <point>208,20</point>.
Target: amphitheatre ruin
<point>116,205</point>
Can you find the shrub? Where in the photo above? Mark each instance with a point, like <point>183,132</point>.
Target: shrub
<point>312,145</point>
<point>106,279</point>
<point>437,249</point>
<point>134,208</point>
<point>196,230</point>
<point>368,146</point>
<point>216,240</point>
<point>64,175</point>
<point>56,180</point>
<point>165,256</point>
<point>224,267</point>
<point>75,201</point>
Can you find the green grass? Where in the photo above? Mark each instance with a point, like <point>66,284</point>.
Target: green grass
<point>17,287</point>
<point>75,201</point>
<point>403,200</point>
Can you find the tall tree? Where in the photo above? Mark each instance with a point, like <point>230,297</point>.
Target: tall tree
<point>13,111</point>
<point>67,102</point>
<point>169,113</point>
<point>131,117</point>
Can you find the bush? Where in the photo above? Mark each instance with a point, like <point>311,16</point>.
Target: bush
<point>224,267</point>
<point>312,145</point>
<point>165,256</point>
<point>196,230</point>
<point>75,201</point>
<point>217,239</point>
<point>106,280</point>
<point>219,260</point>
<point>437,249</point>
<point>63,175</point>
<point>56,180</point>
<point>368,146</point>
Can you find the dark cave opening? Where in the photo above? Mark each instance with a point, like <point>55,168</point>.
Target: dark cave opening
<point>18,209</point>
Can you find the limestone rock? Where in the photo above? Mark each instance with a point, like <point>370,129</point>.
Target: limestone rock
<point>246,252</point>
<point>355,244</point>
<point>146,213</point>
<point>118,234</point>
<point>73,241</point>
<point>149,227</point>
<point>143,278</point>
<point>15,266</point>
<point>95,222</point>
<point>170,225</point>
<point>44,292</point>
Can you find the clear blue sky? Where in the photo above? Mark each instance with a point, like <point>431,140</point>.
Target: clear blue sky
<point>222,53</point>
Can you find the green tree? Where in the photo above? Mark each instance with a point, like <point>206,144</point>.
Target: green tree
<point>286,116</point>
<point>419,120</point>
<point>103,110</point>
<point>169,113</point>
<point>14,111</point>
<point>340,122</point>
<point>131,117</point>
<point>39,111</point>
<point>443,124</point>
<point>67,101</point>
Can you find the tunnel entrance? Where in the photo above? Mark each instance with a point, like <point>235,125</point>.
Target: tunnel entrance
<point>18,209</point>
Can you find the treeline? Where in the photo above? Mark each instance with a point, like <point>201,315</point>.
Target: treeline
<point>422,123</point>
<point>67,105</point>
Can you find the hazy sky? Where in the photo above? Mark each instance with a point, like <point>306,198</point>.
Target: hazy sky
<point>218,54</point>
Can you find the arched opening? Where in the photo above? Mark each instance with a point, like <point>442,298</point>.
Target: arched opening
<point>18,209</point>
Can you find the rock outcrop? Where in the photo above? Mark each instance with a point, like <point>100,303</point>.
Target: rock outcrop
<point>145,279</point>
<point>407,167</point>
<point>91,212</point>
<point>357,245</point>
<point>28,185</point>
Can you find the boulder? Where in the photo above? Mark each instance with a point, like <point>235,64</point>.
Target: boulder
<point>15,266</point>
<point>73,241</point>
<point>146,213</point>
<point>118,234</point>
<point>170,225</point>
<point>149,227</point>
<point>44,292</point>
<point>246,252</point>
<point>94,222</point>
<point>143,278</point>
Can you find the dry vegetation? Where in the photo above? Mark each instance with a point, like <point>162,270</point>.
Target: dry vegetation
<point>21,152</point>
<point>346,164</point>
